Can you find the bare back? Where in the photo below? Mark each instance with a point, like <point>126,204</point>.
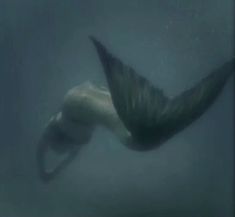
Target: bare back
<point>88,104</point>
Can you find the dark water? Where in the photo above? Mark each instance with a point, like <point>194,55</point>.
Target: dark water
<point>45,51</point>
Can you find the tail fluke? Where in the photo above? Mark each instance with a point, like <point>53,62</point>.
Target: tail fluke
<point>137,101</point>
<point>191,104</point>
<point>147,113</point>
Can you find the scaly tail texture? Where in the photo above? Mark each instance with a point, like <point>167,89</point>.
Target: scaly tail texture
<point>147,113</point>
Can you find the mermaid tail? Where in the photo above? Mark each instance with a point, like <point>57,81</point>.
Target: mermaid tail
<point>147,113</point>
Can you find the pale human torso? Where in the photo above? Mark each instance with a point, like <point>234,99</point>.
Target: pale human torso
<point>86,106</point>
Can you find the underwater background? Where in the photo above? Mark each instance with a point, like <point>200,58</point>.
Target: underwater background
<point>45,51</point>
